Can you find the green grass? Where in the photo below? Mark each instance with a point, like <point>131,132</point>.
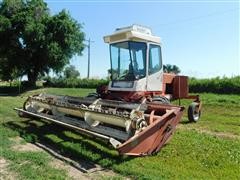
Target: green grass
<point>26,165</point>
<point>220,113</point>
<point>196,150</point>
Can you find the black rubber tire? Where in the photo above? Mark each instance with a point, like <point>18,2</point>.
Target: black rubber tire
<point>93,95</point>
<point>160,100</point>
<point>193,115</point>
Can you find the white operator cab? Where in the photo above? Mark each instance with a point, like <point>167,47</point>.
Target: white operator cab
<point>136,60</point>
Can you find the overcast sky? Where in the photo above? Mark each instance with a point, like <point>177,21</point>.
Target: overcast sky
<point>201,37</point>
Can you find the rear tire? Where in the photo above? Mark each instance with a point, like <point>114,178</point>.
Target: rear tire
<point>160,100</point>
<point>193,113</point>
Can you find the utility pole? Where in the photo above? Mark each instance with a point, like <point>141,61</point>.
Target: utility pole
<point>88,46</point>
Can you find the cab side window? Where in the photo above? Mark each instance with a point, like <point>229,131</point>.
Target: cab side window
<point>155,61</point>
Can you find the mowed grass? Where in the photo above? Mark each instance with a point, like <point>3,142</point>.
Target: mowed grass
<point>209,149</point>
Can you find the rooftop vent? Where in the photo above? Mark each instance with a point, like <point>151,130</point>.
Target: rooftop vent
<point>137,28</point>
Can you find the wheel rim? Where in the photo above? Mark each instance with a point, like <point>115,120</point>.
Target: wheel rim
<point>194,112</point>
<point>196,115</point>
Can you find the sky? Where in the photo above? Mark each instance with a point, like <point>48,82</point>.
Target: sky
<point>200,37</point>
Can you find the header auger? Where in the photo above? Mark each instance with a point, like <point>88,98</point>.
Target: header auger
<point>133,112</point>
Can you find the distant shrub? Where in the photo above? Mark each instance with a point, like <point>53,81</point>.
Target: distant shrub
<point>15,87</point>
<point>74,82</point>
<point>215,85</point>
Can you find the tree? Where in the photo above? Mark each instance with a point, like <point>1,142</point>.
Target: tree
<point>71,72</point>
<point>168,68</point>
<point>33,41</point>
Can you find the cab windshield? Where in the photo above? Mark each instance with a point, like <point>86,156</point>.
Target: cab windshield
<point>128,60</point>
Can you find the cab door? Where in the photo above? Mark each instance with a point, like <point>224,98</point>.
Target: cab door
<point>155,70</point>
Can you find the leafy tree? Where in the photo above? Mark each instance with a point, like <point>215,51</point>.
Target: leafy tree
<point>33,41</point>
<point>168,68</point>
<point>71,72</point>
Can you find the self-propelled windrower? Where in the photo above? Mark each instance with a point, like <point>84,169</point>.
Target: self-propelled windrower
<point>133,112</point>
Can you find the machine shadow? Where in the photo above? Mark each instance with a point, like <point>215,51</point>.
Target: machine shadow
<point>14,90</point>
<point>185,122</point>
<point>88,148</point>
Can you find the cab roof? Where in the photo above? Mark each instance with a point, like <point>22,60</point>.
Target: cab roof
<point>134,33</point>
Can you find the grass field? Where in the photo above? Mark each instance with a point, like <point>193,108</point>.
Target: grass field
<point>209,149</point>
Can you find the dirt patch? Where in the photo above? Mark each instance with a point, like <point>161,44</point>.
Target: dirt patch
<point>218,134</point>
<point>85,170</point>
<point>20,146</point>
<point>5,173</point>
<point>80,169</point>
<point>71,171</point>
<point>74,173</point>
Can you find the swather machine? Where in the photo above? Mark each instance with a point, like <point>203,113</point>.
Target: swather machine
<point>133,112</point>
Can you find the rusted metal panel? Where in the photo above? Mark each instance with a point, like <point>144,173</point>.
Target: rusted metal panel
<point>167,83</point>
<point>180,87</point>
<point>152,139</point>
<point>168,78</point>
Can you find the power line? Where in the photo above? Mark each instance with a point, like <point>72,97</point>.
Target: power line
<point>199,17</point>
<point>142,1</point>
